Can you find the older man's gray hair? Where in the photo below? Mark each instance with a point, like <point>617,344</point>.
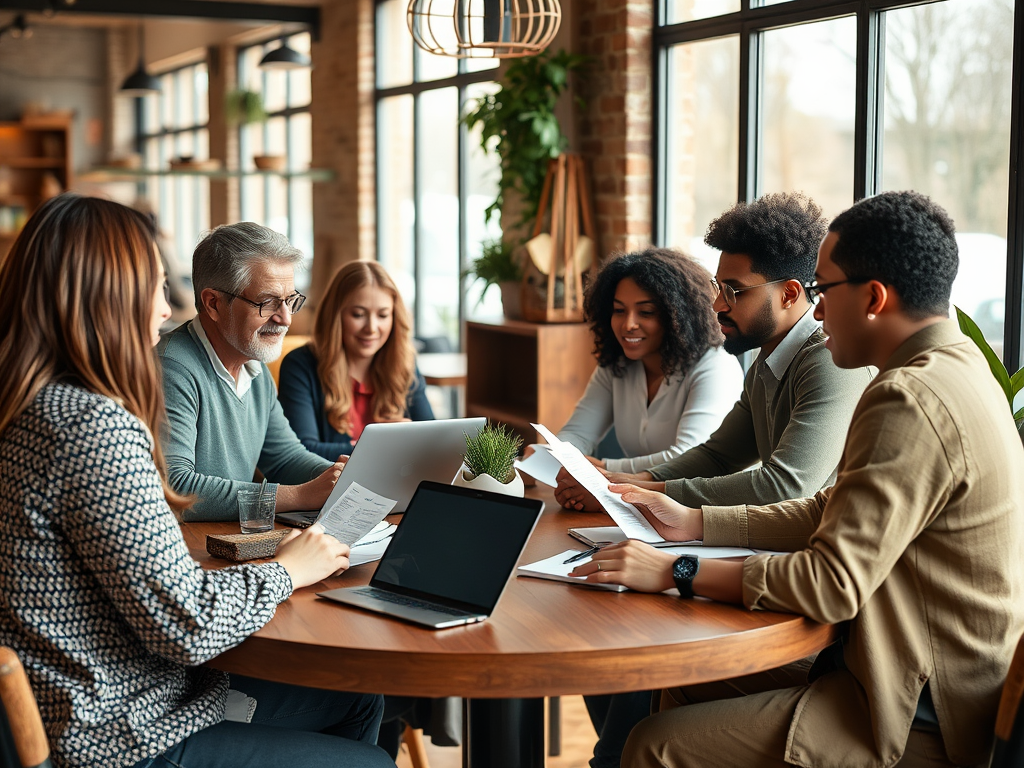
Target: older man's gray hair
<point>224,258</point>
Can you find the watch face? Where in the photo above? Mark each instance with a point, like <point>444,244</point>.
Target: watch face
<point>685,567</point>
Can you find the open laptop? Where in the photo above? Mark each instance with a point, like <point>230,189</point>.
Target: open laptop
<point>391,459</point>
<point>450,559</point>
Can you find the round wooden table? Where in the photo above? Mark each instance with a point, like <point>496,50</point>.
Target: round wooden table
<point>544,639</point>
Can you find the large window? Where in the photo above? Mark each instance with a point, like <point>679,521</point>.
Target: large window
<point>842,100</point>
<point>283,202</point>
<point>433,181</point>
<point>173,127</point>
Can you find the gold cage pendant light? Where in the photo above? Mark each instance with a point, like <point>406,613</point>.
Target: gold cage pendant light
<point>499,29</point>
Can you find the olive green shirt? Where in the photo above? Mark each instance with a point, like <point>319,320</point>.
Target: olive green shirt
<point>918,545</point>
<point>791,417</point>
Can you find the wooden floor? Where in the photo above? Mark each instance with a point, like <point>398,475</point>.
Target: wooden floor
<point>578,739</point>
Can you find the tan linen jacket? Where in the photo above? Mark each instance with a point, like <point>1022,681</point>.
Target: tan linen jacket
<point>919,545</point>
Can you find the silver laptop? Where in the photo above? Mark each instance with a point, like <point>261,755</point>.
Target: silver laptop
<point>391,459</point>
<point>450,559</point>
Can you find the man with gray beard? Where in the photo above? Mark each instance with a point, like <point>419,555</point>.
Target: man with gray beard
<point>223,417</point>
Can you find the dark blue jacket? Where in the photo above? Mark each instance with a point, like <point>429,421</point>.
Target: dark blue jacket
<point>302,399</point>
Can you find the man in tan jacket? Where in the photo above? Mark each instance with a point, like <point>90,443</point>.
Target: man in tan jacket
<point>917,547</point>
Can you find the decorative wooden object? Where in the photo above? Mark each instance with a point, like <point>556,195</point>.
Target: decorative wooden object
<point>492,29</point>
<point>519,372</point>
<point>568,252</point>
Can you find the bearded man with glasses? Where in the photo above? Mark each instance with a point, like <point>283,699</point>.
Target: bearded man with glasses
<point>224,419</point>
<point>784,436</point>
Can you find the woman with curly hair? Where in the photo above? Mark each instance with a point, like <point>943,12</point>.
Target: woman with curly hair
<point>360,367</point>
<point>663,380</point>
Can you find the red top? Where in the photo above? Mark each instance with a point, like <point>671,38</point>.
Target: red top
<point>362,409</point>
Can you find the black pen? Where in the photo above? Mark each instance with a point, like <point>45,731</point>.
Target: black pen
<point>580,555</point>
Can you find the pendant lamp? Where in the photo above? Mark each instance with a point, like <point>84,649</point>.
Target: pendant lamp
<point>140,82</point>
<point>498,29</point>
<point>285,58</point>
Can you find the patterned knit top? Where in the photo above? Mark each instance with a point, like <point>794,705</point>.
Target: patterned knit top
<point>98,594</point>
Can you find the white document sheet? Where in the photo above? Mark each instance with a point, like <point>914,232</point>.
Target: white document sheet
<point>626,516</point>
<point>541,465</point>
<point>356,512</point>
<point>369,552</point>
<point>556,569</point>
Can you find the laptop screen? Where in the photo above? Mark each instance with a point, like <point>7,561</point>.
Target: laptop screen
<point>458,545</point>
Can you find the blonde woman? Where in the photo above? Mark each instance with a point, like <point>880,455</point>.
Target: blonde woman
<point>112,636</point>
<point>360,367</point>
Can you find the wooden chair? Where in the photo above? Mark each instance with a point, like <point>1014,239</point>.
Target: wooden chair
<point>22,713</point>
<point>1010,717</point>
<point>290,342</point>
<point>413,739</point>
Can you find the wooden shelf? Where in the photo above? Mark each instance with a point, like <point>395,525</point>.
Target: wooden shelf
<point>519,372</point>
<point>104,174</point>
<point>55,163</point>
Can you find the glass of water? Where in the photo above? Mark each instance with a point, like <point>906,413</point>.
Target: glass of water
<point>255,514</point>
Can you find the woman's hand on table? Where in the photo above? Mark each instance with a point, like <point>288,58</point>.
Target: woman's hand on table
<point>630,563</point>
<point>671,519</point>
<point>311,555</point>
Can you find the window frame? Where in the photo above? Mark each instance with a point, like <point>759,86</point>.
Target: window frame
<point>462,80</point>
<point>747,24</point>
<point>287,113</point>
<point>170,184</point>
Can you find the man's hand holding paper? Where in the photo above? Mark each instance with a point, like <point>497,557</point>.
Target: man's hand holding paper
<point>626,516</point>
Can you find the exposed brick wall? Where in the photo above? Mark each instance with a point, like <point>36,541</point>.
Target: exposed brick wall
<point>616,132</point>
<point>343,115</point>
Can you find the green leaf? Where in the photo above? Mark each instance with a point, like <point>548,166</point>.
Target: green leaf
<point>1017,382</point>
<point>971,329</point>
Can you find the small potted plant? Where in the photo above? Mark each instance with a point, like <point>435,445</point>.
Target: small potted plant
<point>497,265</point>
<point>489,462</point>
<point>243,107</point>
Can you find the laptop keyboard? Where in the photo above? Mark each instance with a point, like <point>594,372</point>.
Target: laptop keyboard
<point>411,602</point>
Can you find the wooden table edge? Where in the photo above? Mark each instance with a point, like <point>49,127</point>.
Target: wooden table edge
<point>507,675</point>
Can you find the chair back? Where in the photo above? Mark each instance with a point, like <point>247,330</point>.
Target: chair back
<point>26,726</point>
<point>1010,717</point>
<point>290,343</point>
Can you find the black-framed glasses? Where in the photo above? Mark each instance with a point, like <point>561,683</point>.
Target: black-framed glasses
<point>270,307</point>
<point>729,293</point>
<point>815,289</point>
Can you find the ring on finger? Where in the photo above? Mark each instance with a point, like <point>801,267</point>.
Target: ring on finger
<point>599,565</point>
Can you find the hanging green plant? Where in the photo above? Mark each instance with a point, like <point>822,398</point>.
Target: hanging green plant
<point>519,123</point>
<point>242,107</point>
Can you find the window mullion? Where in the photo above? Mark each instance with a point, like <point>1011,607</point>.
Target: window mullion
<point>868,130</point>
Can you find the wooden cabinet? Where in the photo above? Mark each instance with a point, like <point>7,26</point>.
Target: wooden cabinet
<point>35,165</point>
<point>520,372</point>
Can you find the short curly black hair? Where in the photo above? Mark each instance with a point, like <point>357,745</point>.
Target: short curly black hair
<point>902,239</point>
<point>779,232</point>
<point>682,296</point>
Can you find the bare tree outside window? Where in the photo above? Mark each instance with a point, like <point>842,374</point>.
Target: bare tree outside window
<point>947,121</point>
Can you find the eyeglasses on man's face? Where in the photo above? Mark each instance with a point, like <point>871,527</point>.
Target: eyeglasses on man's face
<point>814,289</point>
<point>729,293</point>
<point>270,307</point>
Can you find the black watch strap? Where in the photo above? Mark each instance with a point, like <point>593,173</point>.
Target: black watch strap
<point>684,570</point>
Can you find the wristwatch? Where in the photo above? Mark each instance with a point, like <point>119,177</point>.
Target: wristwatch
<point>684,571</point>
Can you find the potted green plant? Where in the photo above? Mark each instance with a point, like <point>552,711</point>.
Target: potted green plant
<point>489,462</point>
<point>244,107</point>
<point>497,265</point>
<point>1011,385</point>
<point>518,122</point>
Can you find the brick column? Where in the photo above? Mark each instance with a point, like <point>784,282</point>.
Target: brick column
<point>343,116</point>
<point>616,129</point>
<point>225,204</point>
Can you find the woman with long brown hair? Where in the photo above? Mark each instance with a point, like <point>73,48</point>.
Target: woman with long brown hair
<point>360,367</point>
<point>109,614</point>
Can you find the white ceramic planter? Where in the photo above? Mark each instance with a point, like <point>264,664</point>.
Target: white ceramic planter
<point>487,483</point>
